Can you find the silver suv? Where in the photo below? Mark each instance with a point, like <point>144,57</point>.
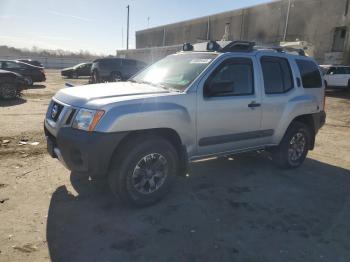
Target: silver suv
<point>211,99</point>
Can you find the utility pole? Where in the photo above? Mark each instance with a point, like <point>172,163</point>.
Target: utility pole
<point>148,18</point>
<point>127,30</point>
<point>287,21</point>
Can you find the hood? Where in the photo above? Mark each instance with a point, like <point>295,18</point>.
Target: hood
<point>106,93</point>
<point>67,69</point>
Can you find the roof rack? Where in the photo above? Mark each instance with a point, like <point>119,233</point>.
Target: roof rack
<point>238,46</point>
<point>282,49</point>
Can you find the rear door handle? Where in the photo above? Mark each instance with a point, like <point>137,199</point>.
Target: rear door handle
<point>254,104</point>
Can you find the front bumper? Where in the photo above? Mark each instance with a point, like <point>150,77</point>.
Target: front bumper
<point>81,151</point>
<point>38,77</point>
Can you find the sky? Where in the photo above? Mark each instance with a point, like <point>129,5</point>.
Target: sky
<point>98,26</point>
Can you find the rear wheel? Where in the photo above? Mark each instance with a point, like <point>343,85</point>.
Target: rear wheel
<point>95,77</point>
<point>142,172</point>
<point>294,146</point>
<point>116,77</point>
<point>8,91</point>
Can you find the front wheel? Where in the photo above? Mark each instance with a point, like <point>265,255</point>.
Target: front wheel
<point>142,172</point>
<point>8,91</point>
<point>294,146</point>
<point>28,80</point>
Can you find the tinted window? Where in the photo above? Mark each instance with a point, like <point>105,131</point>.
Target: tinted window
<point>13,65</point>
<point>277,75</point>
<point>310,75</point>
<point>238,73</point>
<point>129,62</point>
<point>340,71</point>
<point>332,71</point>
<point>110,62</point>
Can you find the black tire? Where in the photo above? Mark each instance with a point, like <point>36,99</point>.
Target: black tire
<point>116,77</point>
<point>9,90</point>
<point>75,75</point>
<point>288,155</point>
<point>95,77</point>
<point>126,161</point>
<point>28,80</point>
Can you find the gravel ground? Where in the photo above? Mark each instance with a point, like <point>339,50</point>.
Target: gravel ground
<point>240,209</point>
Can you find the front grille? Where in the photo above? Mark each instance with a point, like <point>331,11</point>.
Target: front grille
<point>56,110</point>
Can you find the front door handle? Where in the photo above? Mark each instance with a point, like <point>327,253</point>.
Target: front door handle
<point>254,104</point>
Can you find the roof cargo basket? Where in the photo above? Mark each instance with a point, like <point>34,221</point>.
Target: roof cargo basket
<point>239,46</point>
<point>283,49</point>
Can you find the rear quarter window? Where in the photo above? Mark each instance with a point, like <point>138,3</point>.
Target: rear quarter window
<point>310,75</point>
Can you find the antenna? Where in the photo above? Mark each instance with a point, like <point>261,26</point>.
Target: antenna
<point>127,28</point>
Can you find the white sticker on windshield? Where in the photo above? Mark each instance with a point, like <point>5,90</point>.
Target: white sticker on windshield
<point>200,61</point>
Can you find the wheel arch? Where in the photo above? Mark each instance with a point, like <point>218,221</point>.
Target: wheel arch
<point>307,120</point>
<point>168,134</point>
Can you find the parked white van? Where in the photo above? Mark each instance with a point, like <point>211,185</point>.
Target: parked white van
<point>336,76</point>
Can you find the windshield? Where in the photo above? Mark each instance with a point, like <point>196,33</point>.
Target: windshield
<point>78,65</point>
<point>175,71</point>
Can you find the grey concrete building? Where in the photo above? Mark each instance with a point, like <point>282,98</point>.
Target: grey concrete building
<point>323,23</point>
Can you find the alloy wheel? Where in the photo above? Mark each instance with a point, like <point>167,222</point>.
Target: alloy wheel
<point>150,173</point>
<point>297,147</point>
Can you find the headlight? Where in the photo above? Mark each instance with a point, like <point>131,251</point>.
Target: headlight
<point>87,119</point>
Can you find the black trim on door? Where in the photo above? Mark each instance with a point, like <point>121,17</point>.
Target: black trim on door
<point>216,140</point>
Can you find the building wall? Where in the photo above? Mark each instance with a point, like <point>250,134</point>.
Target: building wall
<point>309,20</point>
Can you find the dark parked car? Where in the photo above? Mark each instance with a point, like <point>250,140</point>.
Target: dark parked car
<point>83,69</point>
<point>11,84</point>
<point>114,69</point>
<point>31,62</point>
<point>30,73</point>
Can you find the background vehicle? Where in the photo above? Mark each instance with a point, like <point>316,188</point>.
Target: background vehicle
<point>213,99</point>
<point>337,77</point>
<point>114,69</point>
<point>11,84</point>
<point>31,62</point>
<point>83,69</point>
<point>30,73</point>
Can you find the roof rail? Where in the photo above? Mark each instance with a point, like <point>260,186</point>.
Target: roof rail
<point>238,46</point>
<point>283,49</point>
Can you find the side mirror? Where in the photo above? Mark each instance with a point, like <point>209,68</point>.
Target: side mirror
<point>218,88</point>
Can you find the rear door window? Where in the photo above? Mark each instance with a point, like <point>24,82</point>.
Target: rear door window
<point>129,63</point>
<point>277,75</point>
<point>340,71</point>
<point>310,75</point>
